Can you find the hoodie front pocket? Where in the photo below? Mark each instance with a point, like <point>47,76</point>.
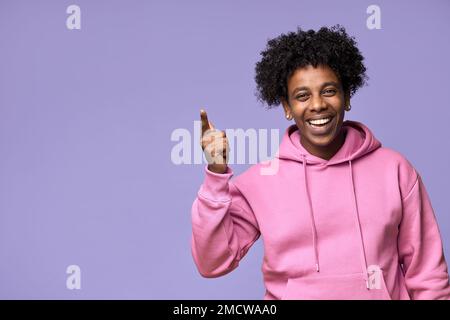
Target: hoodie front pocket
<point>335,287</point>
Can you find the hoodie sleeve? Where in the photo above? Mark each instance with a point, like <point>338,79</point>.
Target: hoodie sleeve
<point>420,247</point>
<point>223,225</point>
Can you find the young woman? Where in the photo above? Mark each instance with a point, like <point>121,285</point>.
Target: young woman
<point>342,217</point>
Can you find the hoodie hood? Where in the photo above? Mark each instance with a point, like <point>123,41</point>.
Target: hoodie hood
<point>359,141</point>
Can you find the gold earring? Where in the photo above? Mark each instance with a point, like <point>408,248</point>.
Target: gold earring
<point>288,117</point>
<point>348,107</point>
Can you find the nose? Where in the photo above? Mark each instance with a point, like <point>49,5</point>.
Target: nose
<point>317,103</point>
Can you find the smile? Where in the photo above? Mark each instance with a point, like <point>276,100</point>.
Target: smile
<point>321,126</point>
<point>319,122</point>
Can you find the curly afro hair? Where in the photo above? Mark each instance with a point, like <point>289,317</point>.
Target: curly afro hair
<point>328,46</point>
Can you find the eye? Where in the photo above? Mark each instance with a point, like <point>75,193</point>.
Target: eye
<point>330,91</point>
<point>301,96</point>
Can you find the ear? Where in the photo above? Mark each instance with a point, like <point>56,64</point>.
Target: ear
<point>346,99</point>
<point>286,106</point>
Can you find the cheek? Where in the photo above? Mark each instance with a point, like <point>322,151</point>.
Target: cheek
<point>298,111</point>
<point>335,101</point>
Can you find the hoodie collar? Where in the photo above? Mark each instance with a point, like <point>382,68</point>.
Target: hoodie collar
<point>359,141</point>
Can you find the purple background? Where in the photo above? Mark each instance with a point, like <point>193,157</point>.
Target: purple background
<point>86,118</point>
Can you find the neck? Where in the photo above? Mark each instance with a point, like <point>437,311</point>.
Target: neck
<point>326,152</point>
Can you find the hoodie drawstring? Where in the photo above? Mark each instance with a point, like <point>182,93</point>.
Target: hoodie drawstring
<point>358,226</point>
<point>357,222</point>
<point>313,224</point>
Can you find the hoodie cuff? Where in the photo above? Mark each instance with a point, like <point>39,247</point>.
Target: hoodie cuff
<point>215,185</point>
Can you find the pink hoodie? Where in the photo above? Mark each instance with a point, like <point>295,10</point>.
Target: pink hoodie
<point>358,226</point>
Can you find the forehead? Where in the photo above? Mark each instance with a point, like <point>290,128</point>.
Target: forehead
<point>312,77</point>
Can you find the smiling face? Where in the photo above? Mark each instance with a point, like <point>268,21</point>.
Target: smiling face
<point>317,105</point>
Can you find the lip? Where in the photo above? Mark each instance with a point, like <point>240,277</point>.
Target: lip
<point>320,116</point>
<point>326,129</point>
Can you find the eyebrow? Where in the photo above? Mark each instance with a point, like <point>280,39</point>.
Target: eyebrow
<point>328,83</point>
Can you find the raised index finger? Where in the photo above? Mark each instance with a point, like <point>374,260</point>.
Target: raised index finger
<point>206,125</point>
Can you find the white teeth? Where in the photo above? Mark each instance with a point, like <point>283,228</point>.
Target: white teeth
<point>320,121</point>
